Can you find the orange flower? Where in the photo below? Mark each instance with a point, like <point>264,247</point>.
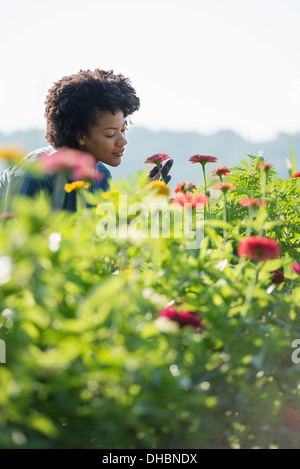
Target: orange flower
<point>265,166</point>
<point>296,175</point>
<point>252,202</point>
<point>189,198</point>
<point>185,187</point>
<point>224,187</point>
<point>222,171</point>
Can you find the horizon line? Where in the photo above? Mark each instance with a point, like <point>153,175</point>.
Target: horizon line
<point>276,135</point>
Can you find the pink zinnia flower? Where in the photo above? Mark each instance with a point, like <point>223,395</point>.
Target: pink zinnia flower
<point>291,419</point>
<point>296,175</point>
<point>80,164</point>
<point>296,268</point>
<point>183,318</point>
<point>224,187</point>
<point>7,216</point>
<point>157,159</point>
<point>222,171</point>
<point>185,187</point>
<point>256,248</point>
<point>252,202</point>
<point>189,198</point>
<point>277,277</point>
<point>203,159</point>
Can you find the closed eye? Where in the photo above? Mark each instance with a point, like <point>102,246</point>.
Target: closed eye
<point>113,135</point>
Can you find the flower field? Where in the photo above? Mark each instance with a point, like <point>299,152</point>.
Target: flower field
<point>115,338</point>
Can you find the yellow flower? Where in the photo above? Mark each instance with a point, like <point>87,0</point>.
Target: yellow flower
<point>111,194</point>
<point>160,185</point>
<point>128,271</point>
<point>76,185</point>
<point>12,153</point>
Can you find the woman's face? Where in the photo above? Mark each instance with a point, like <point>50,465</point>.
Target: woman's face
<point>106,139</point>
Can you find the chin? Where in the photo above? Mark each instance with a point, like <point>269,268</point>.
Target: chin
<point>116,163</point>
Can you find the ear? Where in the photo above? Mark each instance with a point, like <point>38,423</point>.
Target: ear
<point>81,139</point>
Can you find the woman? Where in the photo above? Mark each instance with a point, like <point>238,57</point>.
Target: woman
<point>86,111</point>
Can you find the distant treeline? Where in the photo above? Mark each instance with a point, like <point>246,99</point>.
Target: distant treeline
<point>228,146</point>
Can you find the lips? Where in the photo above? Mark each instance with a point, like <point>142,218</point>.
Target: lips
<point>119,153</point>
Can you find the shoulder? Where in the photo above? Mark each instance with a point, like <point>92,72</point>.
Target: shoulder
<point>20,169</point>
<point>5,176</point>
<point>104,181</point>
<point>48,150</point>
<point>102,168</point>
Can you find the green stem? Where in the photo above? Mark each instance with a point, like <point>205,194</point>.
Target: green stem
<point>225,220</point>
<point>249,228</point>
<point>159,170</point>
<point>250,291</point>
<point>264,181</point>
<point>205,185</point>
<point>58,194</point>
<point>79,200</point>
<point>204,177</point>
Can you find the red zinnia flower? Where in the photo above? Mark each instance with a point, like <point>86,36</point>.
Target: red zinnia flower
<point>291,420</point>
<point>296,175</point>
<point>189,198</point>
<point>183,318</point>
<point>277,277</point>
<point>82,165</point>
<point>252,202</point>
<point>223,171</point>
<point>157,159</point>
<point>256,248</point>
<point>224,187</point>
<point>203,159</point>
<point>296,268</point>
<point>185,187</point>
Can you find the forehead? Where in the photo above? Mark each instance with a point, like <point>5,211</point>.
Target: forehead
<point>108,119</point>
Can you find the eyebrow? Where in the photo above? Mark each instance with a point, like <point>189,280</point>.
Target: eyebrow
<point>114,128</point>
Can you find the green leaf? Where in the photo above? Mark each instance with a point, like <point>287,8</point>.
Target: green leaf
<point>293,169</point>
<point>43,424</point>
<point>255,162</point>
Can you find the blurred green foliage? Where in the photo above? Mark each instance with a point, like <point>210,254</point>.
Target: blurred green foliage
<point>90,365</point>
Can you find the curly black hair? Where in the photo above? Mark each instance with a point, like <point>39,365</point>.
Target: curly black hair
<point>77,101</point>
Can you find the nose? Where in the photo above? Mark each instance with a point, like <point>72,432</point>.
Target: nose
<point>122,141</point>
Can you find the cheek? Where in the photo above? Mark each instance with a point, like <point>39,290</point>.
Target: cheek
<point>100,145</point>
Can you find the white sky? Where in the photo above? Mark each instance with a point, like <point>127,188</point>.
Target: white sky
<point>199,65</point>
